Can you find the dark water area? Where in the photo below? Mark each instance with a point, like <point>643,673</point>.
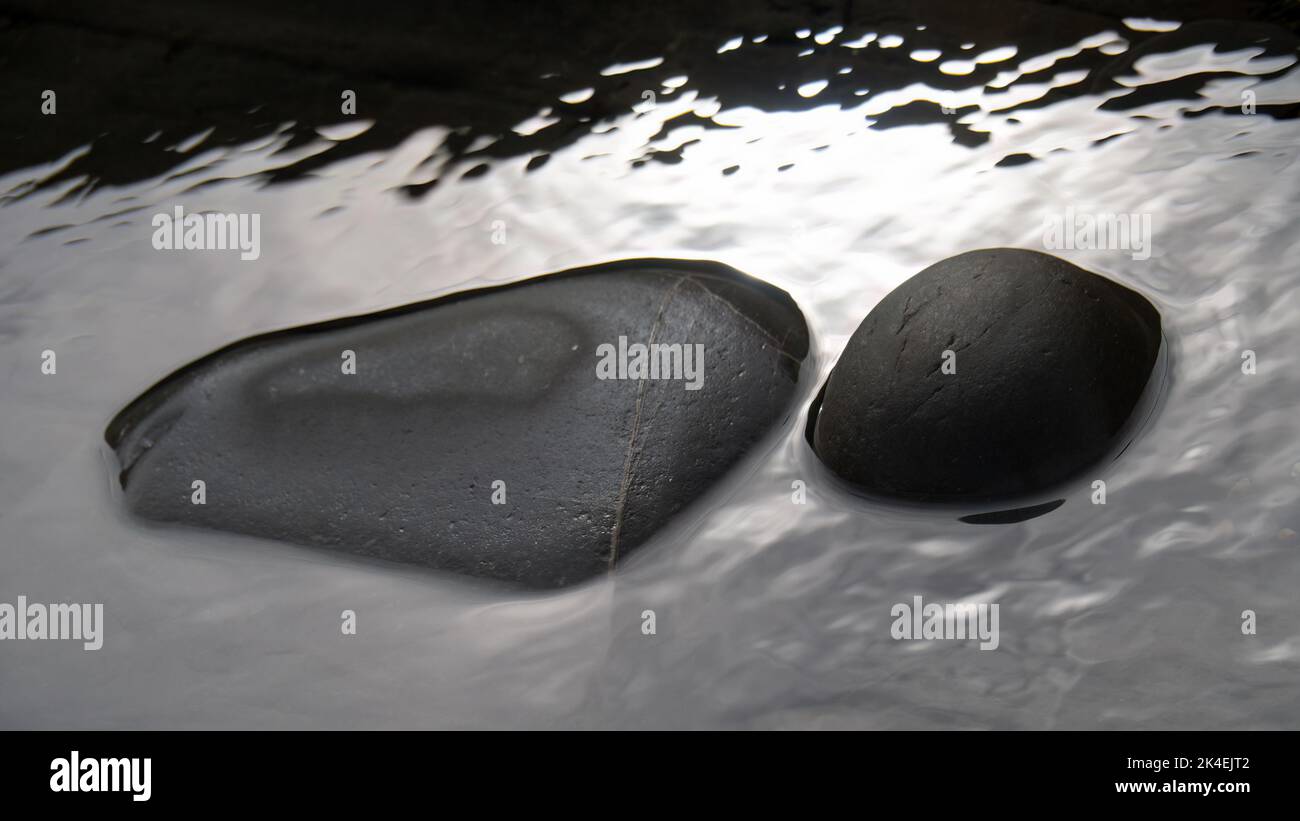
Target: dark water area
<point>832,150</point>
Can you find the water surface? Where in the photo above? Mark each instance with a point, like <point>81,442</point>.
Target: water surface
<point>832,163</point>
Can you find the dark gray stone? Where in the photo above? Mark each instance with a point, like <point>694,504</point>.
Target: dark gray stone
<point>1051,362</point>
<point>398,461</point>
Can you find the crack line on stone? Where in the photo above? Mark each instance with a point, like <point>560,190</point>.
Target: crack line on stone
<point>630,459</point>
<point>780,347</point>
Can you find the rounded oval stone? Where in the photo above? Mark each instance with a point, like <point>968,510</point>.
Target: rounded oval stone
<point>991,374</point>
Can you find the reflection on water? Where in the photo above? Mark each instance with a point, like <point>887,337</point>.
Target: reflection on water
<point>833,158</point>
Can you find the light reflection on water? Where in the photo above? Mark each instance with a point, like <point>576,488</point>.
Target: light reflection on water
<point>768,613</point>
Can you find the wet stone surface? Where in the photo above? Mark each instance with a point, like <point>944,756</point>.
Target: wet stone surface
<point>517,433</point>
<point>989,375</point>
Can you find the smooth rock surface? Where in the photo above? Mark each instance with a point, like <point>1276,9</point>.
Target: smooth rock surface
<point>398,461</point>
<point>1050,363</point>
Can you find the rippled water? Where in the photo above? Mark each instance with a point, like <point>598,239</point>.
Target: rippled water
<point>817,159</point>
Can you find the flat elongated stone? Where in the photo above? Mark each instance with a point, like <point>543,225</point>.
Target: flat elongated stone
<point>489,393</point>
<point>1047,363</point>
